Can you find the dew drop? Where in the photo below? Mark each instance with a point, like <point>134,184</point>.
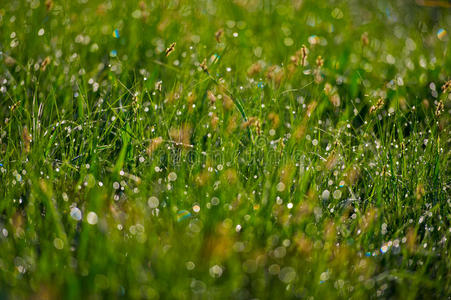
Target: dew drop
<point>153,202</point>
<point>325,195</point>
<point>337,194</point>
<point>75,213</point>
<point>92,218</point>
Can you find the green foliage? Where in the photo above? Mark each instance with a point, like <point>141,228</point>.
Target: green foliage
<point>281,149</point>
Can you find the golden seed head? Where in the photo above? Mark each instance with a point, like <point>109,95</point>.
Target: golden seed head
<point>181,136</point>
<point>258,127</point>
<point>328,89</point>
<point>319,61</point>
<point>159,85</point>
<point>9,61</point>
<point>218,35</point>
<point>170,49</point>
<point>45,63</point>
<point>203,65</point>
<point>26,139</point>
<point>446,87</point>
<point>254,69</point>
<point>420,191</point>
<point>439,109</point>
<point>365,40</point>
<point>211,97</point>
<point>48,4</point>
<point>154,144</point>
<point>304,55</point>
<point>380,103</point>
<point>250,122</point>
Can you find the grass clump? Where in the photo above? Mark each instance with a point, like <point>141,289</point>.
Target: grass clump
<point>229,149</point>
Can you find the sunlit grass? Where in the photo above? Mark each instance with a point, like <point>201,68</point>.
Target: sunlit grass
<point>227,149</point>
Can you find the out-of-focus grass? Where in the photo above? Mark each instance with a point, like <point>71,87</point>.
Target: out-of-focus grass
<point>240,165</point>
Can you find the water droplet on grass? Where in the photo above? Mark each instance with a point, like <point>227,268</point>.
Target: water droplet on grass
<point>287,274</point>
<point>288,41</point>
<point>441,34</point>
<point>75,213</point>
<point>384,248</point>
<point>325,195</point>
<point>190,265</point>
<point>216,271</point>
<point>280,186</point>
<point>182,215</point>
<point>172,176</point>
<point>215,201</point>
<point>58,243</point>
<point>92,218</point>
<point>337,194</point>
<point>324,276</point>
<point>198,287</point>
<point>153,202</point>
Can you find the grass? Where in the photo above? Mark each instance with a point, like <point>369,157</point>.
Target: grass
<point>281,149</point>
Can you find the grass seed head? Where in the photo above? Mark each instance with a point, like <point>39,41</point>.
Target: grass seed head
<point>144,11</point>
<point>48,4</point>
<point>170,49</point>
<point>214,121</point>
<point>420,191</point>
<point>446,88</point>
<point>425,103</point>
<point>45,63</point>
<point>227,102</point>
<point>274,118</point>
<point>159,85</point>
<point>258,127</point>
<point>311,108</point>
<point>218,35</point>
<point>303,244</point>
<point>331,161</point>
<point>154,144</point>
<point>300,130</point>
<point>335,99</point>
<point>439,108</point>
<point>203,65</point>
<point>352,175</point>
<point>26,139</point>
<point>181,135</point>
<point>275,74</point>
<point>304,55</point>
<point>254,69</point>
<point>380,103</point>
<point>232,125</point>
<point>327,89</point>
<point>364,39</point>
<point>411,239</point>
<point>252,121</point>
<point>211,97</point>
<point>319,61</point>
<point>14,106</point>
<point>231,176</point>
<point>9,61</point>
<point>317,75</point>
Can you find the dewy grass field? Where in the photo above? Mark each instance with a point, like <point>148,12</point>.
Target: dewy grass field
<point>225,149</point>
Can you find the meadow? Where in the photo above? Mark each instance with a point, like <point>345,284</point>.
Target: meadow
<point>237,149</point>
